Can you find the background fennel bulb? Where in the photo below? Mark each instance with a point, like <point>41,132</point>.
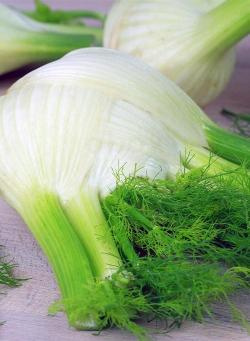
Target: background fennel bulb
<point>190,41</point>
<point>64,129</point>
<point>25,40</point>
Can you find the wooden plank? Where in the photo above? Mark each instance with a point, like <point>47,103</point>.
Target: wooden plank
<point>25,309</point>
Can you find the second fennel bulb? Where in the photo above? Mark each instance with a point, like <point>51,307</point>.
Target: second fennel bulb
<point>190,41</point>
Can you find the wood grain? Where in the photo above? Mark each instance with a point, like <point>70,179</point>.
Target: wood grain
<point>25,309</point>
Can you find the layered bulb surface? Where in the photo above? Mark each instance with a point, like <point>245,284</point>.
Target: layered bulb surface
<point>65,130</point>
<point>192,42</point>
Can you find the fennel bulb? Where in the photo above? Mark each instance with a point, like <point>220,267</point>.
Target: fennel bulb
<point>25,41</point>
<point>189,41</point>
<point>64,129</point>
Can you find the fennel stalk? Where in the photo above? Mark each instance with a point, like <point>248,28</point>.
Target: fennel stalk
<point>28,41</point>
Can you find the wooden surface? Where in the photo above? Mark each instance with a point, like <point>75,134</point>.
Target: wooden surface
<point>25,309</point>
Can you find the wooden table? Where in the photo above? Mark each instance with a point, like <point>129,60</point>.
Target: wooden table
<point>25,309</point>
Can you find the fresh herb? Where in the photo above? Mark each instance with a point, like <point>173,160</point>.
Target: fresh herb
<point>6,272</point>
<point>199,216</point>
<point>241,122</point>
<point>184,245</point>
<point>187,242</point>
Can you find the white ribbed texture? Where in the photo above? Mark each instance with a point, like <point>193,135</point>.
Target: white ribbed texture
<point>167,35</point>
<point>69,124</point>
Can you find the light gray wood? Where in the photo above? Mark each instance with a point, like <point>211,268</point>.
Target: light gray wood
<point>25,309</point>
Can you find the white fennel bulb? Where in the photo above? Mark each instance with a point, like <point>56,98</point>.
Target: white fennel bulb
<point>189,41</point>
<point>65,128</point>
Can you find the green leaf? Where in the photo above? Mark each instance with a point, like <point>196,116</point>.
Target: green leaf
<point>184,232</point>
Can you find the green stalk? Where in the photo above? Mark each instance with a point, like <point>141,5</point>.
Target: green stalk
<point>61,16</point>
<point>44,13</point>
<point>111,205</point>
<point>38,47</point>
<point>44,46</point>
<point>51,228</point>
<point>84,31</point>
<point>228,145</point>
<point>199,157</point>
<point>85,213</point>
<point>66,21</point>
<point>225,25</point>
